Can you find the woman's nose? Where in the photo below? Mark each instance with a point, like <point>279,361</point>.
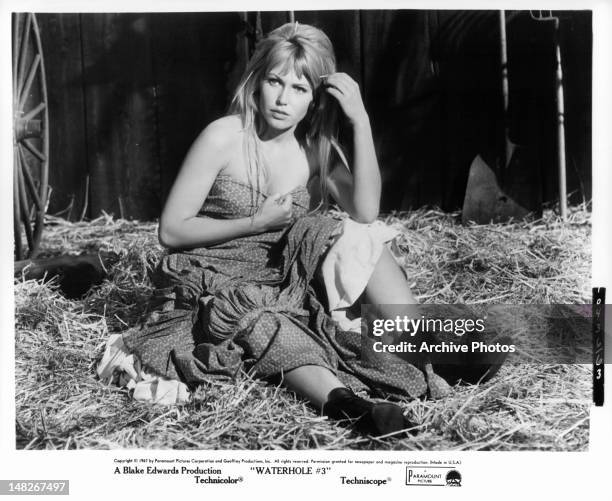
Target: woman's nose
<point>281,97</point>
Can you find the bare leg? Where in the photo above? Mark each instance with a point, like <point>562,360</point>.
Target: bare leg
<point>312,382</point>
<point>387,285</point>
<point>389,294</point>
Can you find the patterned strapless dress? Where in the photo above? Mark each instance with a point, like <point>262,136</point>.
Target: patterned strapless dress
<point>255,304</point>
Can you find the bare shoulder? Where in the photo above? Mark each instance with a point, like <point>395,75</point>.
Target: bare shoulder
<point>221,134</point>
<point>225,126</point>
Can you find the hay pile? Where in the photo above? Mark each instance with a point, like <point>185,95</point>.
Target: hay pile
<point>60,404</point>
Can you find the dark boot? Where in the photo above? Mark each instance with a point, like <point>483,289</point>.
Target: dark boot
<point>374,418</point>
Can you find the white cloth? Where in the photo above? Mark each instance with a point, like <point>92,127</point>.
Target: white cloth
<point>120,366</point>
<point>349,263</point>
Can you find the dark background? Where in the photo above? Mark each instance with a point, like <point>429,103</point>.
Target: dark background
<point>130,92</point>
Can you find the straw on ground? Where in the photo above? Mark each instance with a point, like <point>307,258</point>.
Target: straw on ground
<point>60,404</point>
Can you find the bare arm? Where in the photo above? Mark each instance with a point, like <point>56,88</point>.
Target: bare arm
<point>180,226</point>
<point>358,192</point>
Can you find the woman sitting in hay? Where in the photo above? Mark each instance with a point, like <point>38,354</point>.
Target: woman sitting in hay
<point>257,268</point>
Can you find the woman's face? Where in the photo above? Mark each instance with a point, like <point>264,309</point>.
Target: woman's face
<point>284,99</point>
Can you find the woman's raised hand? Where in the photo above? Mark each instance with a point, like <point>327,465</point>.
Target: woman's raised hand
<point>347,93</point>
<point>275,213</point>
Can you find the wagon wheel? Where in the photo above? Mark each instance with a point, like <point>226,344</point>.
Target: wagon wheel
<point>30,136</point>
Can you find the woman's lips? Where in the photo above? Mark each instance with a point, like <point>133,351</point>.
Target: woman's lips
<point>279,114</point>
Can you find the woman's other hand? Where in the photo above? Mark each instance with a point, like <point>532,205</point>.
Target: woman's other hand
<point>275,213</point>
<point>347,93</point>
<point>357,191</point>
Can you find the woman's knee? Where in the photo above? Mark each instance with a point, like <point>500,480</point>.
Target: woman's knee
<point>388,282</point>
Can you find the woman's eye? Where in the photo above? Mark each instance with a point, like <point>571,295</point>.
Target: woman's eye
<point>273,81</point>
<point>301,90</point>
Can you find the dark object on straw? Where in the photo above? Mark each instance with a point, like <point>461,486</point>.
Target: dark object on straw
<point>76,275</point>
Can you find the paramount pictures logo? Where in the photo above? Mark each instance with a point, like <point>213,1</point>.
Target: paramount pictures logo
<point>433,475</point>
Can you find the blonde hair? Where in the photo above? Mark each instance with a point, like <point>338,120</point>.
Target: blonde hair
<point>308,52</point>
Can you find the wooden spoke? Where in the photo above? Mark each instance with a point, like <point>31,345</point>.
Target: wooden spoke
<point>25,213</point>
<point>32,149</point>
<point>16,205</point>
<point>25,91</point>
<point>24,50</point>
<point>44,175</point>
<point>29,181</point>
<point>15,48</point>
<point>35,111</point>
